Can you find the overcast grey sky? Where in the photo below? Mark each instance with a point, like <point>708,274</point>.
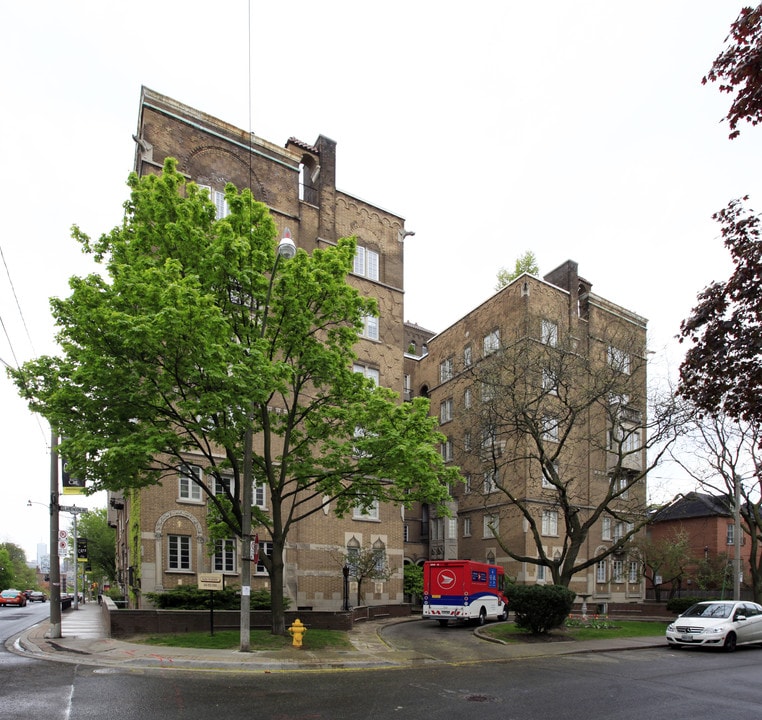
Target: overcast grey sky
<point>575,130</point>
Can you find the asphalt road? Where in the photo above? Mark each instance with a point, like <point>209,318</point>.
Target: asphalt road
<point>661,682</point>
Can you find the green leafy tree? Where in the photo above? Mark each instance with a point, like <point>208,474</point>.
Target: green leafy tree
<point>413,581</point>
<point>664,559</point>
<point>21,575</point>
<point>6,569</point>
<point>101,544</point>
<point>194,339</point>
<point>527,263</point>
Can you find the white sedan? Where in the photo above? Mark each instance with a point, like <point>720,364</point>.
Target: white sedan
<point>717,623</point>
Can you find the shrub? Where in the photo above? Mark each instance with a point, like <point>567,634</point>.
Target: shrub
<point>540,608</point>
<point>679,605</point>
<point>187,597</point>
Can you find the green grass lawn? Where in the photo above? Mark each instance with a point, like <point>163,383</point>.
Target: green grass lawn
<point>258,639</point>
<point>577,630</point>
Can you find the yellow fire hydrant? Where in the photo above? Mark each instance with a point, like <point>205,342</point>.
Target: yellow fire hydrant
<point>297,631</point>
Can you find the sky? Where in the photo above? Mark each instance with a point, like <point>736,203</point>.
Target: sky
<point>575,130</point>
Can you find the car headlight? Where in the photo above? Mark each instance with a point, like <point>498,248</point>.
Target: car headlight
<point>671,627</point>
<point>713,630</point>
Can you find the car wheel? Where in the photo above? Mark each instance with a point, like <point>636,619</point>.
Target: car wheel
<point>730,642</point>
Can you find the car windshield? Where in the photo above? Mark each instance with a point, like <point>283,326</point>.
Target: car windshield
<point>710,610</point>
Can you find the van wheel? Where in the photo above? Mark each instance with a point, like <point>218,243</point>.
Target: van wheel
<point>503,616</point>
<point>482,617</point>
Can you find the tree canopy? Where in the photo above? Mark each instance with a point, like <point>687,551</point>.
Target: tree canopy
<point>722,368</point>
<point>196,336</point>
<point>101,544</point>
<point>526,263</point>
<point>738,69</point>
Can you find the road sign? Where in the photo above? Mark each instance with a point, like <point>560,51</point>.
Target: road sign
<point>72,509</point>
<point>63,548</point>
<point>62,534</point>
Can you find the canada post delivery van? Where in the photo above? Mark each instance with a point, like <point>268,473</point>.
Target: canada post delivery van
<point>463,590</point>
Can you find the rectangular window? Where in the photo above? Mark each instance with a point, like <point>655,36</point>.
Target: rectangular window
<point>190,488</point>
<point>606,528</point>
<point>467,398</point>
<point>452,528</point>
<point>265,549</point>
<point>445,370</point>
<point>373,373</point>
<point>491,342</point>
<point>617,570</point>
<point>370,327</point>
<point>258,494</point>
<point>406,533</point>
<point>467,527</point>
<point>549,381</point>
<point>445,411</point>
<point>731,535</point>
<point>491,525</point>
<point>467,483</point>
<point>634,575</point>
<point>550,522</point>
<point>371,513</point>
<point>179,552</point>
<point>446,450</point>
<point>547,484</point>
<point>619,360</point>
<point>467,441</point>
<point>366,263</point>
<point>618,531</point>
<point>220,205</point>
<point>222,485</point>
<point>600,572</point>
<point>549,428</point>
<point>467,356</point>
<point>549,333</point>
<point>223,559</point>
<point>540,573</point>
<point>490,481</point>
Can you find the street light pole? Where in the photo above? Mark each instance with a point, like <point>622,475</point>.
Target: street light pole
<point>286,250</point>
<point>55,567</point>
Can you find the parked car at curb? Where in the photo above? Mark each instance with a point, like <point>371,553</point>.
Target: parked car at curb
<point>13,597</point>
<point>37,596</point>
<point>717,623</point>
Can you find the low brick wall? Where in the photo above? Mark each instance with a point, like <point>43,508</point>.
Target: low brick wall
<point>123,623</point>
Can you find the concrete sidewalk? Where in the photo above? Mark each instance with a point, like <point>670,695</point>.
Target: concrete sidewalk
<point>85,642</point>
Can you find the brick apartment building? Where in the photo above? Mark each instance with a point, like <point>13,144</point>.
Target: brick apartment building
<point>539,315</point>
<point>297,183</point>
<point>162,539</point>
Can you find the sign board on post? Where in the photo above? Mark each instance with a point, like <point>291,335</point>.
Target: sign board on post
<point>211,581</point>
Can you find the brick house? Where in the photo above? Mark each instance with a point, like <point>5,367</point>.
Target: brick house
<point>707,522</point>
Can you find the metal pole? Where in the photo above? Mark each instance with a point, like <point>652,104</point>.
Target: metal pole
<point>737,537</point>
<point>246,498</point>
<point>75,604</point>
<point>55,567</point>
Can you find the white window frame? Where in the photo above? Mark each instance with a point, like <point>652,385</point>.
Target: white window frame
<point>467,356</point>
<point>446,450</point>
<point>619,360</point>
<point>445,411</point>
<point>366,263</point>
<point>634,572</point>
<point>549,428</point>
<point>224,557</point>
<point>373,373</point>
<point>606,528</point>
<point>259,494</point>
<point>179,553</point>
<point>540,573</point>
<point>370,327</point>
<point>550,523</point>
<point>730,535</point>
<point>491,342</point>
<point>601,571</point>
<point>372,513</point>
<point>466,527</point>
<point>494,520</point>
<point>489,484</point>
<point>265,548</point>
<point>617,571</point>
<point>446,369</point>
<point>549,333</point>
<point>189,490</point>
